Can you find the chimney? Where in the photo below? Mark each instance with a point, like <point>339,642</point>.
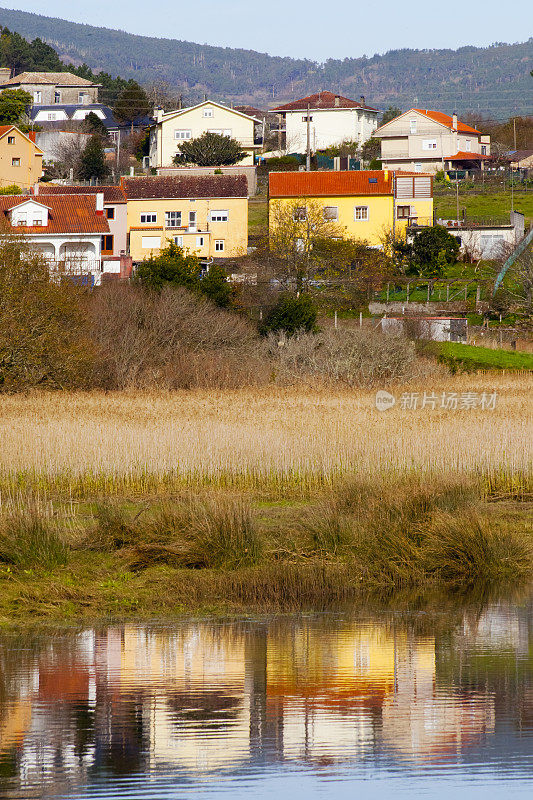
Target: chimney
<point>362,99</point>
<point>337,100</point>
<point>35,189</point>
<point>454,120</point>
<point>5,74</point>
<point>100,204</point>
<point>180,102</point>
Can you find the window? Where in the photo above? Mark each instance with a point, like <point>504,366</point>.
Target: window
<point>219,245</point>
<point>110,213</point>
<point>37,222</point>
<point>149,217</point>
<point>208,112</point>
<point>150,242</point>
<point>468,145</point>
<point>331,212</point>
<point>107,244</point>
<point>11,140</point>
<point>37,97</point>
<point>182,134</point>
<point>218,131</point>
<point>361,212</point>
<point>429,144</point>
<point>199,241</point>
<point>22,220</point>
<point>82,97</point>
<point>57,97</point>
<point>299,214</point>
<point>403,212</point>
<point>15,162</point>
<point>412,126</point>
<point>483,149</point>
<point>418,167</point>
<point>227,132</point>
<point>173,219</point>
<point>304,119</point>
<point>51,116</point>
<point>178,240</point>
<point>219,216</point>
<point>192,219</point>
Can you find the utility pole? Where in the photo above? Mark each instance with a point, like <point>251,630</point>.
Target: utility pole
<point>308,151</point>
<point>512,175</point>
<point>118,153</point>
<point>457,194</point>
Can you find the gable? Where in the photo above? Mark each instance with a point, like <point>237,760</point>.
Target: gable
<point>12,130</point>
<point>207,105</point>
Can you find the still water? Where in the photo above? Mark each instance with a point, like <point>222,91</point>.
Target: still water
<point>344,705</point>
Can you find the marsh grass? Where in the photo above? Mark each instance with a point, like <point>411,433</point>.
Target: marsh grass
<point>30,539</point>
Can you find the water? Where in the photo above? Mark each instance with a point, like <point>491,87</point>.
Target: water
<point>344,705</point>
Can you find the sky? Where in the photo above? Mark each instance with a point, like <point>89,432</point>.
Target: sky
<point>314,29</point>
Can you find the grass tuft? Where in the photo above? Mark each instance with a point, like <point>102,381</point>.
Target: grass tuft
<point>28,539</point>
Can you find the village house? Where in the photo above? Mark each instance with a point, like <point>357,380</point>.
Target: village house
<point>51,88</point>
<point>114,243</point>
<point>66,230</point>
<point>486,238</point>
<point>332,119</point>
<point>206,216</point>
<point>21,160</point>
<point>429,141</point>
<point>171,128</point>
<point>55,117</point>
<point>365,204</point>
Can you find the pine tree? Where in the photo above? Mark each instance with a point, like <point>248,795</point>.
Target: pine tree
<point>92,161</point>
<point>132,102</point>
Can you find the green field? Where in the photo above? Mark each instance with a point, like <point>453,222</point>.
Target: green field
<point>465,356</point>
<point>497,204</point>
<point>257,216</point>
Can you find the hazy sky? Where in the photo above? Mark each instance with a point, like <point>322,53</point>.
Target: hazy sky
<point>314,29</point>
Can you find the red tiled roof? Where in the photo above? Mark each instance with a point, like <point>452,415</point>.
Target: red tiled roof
<point>66,214</point>
<point>332,184</point>
<point>445,119</point>
<point>178,186</point>
<point>6,128</point>
<point>463,156</point>
<point>112,194</point>
<point>322,100</point>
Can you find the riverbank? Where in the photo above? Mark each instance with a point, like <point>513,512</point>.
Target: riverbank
<point>163,504</point>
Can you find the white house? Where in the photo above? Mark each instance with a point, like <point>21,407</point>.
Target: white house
<point>332,119</point>
<point>429,141</point>
<point>171,128</point>
<point>66,230</point>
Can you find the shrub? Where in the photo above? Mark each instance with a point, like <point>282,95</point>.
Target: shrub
<point>353,357</point>
<point>11,189</point>
<point>28,539</point>
<point>433,249</point>
<point>291,314</point>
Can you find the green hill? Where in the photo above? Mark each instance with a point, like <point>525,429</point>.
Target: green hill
<point>493,81</point>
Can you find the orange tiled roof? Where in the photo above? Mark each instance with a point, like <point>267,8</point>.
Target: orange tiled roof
<point>445,119</point>
<point>322,100</point>
<point>67,214</point>
<point>332,184</point>
<point>463,156</point>
<point>6,128</point>
<point>112,194</point>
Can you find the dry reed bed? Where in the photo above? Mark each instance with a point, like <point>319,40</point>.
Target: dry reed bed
<point>273,436</point>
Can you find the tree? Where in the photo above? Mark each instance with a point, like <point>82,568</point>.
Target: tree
<point>433,249</point>
<point>371,149</point>
<point>132,102</point>
<point>172,266</point>
<point>43,325</point>
<point>290,315</point>
<point>92,161</point>
<point>210,150</point>
<point>215,286</point>
<point>13,105</point>
<point>93,124</point>
<point>391,113</point>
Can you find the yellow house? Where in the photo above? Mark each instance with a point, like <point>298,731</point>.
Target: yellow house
<point>205,215</point>
<point>21,161</point>
<point>172,128</point>
<point>364,204</point>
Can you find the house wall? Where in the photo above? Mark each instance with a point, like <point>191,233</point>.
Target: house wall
<point>234,232</point>
<point>164,145</point>
<point>118,227</point>
<point>50,142</point>
<point>77,253</point>
<point>69,94</point>
<point>485,242</point>
<point>380,213</point>
<point>328,127</point>
<point>30,169</point>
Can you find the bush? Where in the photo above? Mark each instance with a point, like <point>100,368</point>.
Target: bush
<point>353,357</point>
<point>434,249</point>
<point>11,189</point>
<point>291,314</point>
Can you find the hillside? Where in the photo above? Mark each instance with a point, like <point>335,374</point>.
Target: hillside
<point>492,81</point>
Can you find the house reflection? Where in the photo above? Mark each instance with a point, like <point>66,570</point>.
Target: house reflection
<point>204,698</point>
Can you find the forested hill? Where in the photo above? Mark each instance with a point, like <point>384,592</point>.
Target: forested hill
<point>494,81</point>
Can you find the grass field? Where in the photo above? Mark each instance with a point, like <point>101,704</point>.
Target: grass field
<point>497,204</point>
<point>257,216</point>
<point>471,357</point>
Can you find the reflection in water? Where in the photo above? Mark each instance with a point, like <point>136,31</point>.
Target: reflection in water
<point>115,710</point>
